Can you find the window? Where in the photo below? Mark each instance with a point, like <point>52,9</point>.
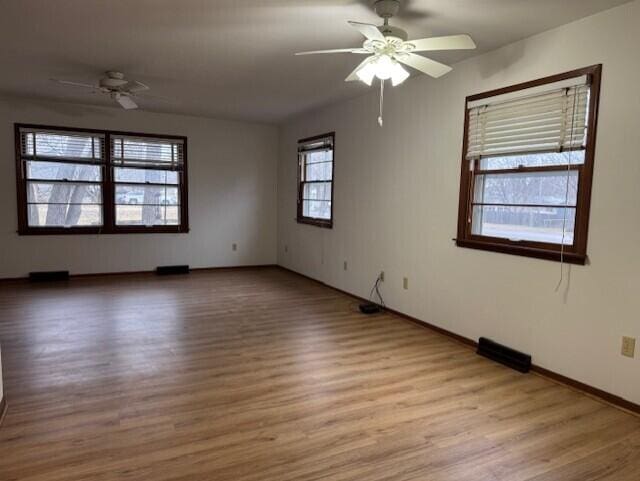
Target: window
<point>90,181</point>
<point>527,167</point>
<point>315,180</point>
<point>146,178</point>
<point>63,175</point>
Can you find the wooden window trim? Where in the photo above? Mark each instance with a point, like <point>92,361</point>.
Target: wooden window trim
<point>575,254</point>
<point>301,219</point>
<point>108,189</point>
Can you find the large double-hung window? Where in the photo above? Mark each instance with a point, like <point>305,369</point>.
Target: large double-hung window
<point>62,175</point>
<point>147,174</point>
<point>95,181</point>
<point>527,167</point>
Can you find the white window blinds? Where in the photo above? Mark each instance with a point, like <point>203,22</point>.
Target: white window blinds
<point>316,145</point>
<point>548,118</point>
<point>147,152</point>
<point>62,145</point>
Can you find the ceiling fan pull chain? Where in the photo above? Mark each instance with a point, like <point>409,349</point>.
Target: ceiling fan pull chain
<point>381,102</point>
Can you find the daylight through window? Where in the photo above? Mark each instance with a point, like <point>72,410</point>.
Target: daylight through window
<point>146,175</point>
<point>63,178</point>
<point>70,182</point>
<point>315,180</point>
<point>527,167</point>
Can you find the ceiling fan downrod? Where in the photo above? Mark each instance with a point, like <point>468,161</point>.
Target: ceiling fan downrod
<point>386,9</point>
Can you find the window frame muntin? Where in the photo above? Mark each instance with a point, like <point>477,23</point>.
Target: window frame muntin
<point>300,218</point>
<point>576,253</point>
<point>108,187</point>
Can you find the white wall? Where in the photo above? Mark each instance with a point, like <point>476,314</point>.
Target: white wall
<point>396,207</point>
<point>232,196</point>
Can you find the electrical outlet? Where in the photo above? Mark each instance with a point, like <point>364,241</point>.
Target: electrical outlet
<point>381,276</point>
<point>345,265</point>
<point>405,283</point>
<point>628,346</point>
<point>234,247</point>
<point>286,248</point>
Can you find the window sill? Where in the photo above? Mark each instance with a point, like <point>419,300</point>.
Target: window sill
<point>102,230</point>
<point>148,230</point>
<point>526,251</point>
<point>327,224</point>
<point>60,231</point>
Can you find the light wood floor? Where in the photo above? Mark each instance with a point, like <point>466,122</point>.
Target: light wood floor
<point>261,375</point>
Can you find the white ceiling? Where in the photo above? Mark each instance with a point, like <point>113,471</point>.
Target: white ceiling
<point>234,58</point>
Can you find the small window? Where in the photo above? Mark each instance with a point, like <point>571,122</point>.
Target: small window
<point>94,181</point>
<point>527,167</point>
<point>315,180</point>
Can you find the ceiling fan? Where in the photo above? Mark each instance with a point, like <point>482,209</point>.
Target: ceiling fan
<point>387,47</point>
<point>116,86</point>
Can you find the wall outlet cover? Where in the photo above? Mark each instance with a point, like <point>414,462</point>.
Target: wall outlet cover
<point>628,346</point>
<point>405,283</point>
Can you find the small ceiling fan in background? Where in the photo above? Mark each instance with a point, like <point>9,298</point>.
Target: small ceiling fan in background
<point>387,47</point>
<point>117,87</point>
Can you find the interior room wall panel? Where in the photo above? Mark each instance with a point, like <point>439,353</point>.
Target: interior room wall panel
<point>396,209</point>
<point>232,196</point>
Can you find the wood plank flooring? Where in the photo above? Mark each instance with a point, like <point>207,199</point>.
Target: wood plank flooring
<point>260,374</point>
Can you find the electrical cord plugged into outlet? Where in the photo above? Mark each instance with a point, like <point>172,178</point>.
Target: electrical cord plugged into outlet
<point>371,307</point>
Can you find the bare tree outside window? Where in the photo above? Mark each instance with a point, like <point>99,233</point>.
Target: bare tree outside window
<point>65,193</point>
<point>147,191</point>
<point>75,181</point>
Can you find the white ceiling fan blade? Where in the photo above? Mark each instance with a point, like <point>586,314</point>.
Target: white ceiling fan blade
<point>450,42</point>
<point>368,30</point>
<point>335,50</point>
<point>125,102</point>
<point>153,97</point>
<point>135,86</point>
<point>424,65</point>
<point>75,84</point>
<point>353,75</point>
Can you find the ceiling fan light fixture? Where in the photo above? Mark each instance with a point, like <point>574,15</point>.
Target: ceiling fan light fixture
<point>399,74</point>
<point>366,73</point>
<point>384,66</point>
<point>390,50</point>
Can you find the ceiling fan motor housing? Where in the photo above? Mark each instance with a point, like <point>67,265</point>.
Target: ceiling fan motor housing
<point>113,80</point>
<point>390,31</point>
